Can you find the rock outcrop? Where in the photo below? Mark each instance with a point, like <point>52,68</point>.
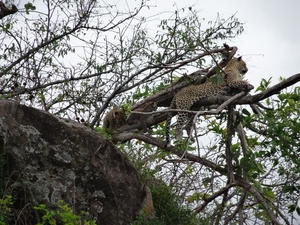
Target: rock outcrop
<point>48,159</point>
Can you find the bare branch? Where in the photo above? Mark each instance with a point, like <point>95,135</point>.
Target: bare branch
<point>35,49</point>
<point>250,188</point>
<point>156,142</point>
<point>239,208</point>
<point>213,197</point>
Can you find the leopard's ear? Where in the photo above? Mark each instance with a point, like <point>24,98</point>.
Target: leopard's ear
<point>239,58</point>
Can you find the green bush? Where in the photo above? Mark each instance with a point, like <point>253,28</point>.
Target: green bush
<point>167,209</point>
<point>5,209</point>
<point>63,214</point>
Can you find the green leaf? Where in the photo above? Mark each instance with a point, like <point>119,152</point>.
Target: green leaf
<point>7,27</point>
<point>29,6</point>
<point>292,208</point>
<point>246,112</point>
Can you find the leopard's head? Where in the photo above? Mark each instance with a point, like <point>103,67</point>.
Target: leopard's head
<point>237,65</point>
<point>240,65</point>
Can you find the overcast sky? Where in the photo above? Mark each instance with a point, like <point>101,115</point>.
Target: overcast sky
<point>271,41</point>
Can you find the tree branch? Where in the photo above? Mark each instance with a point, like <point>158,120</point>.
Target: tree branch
<point>276,88</point>
<point>238,209</point>
<point>248,187</point>
<point>213,196</point>
<point>4,11</point>
<point>251,98</point>
<point>126,136</point>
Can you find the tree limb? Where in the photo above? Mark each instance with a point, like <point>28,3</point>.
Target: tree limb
<point>249,99</point>
<point>4,11</point>
<point>276,88</point>
<point>126,136</point>
<point>237,210</point>
<point>213,196</point>
<point>251,189</point>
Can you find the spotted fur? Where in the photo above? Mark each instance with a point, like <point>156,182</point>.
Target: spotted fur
<point>185,98</point>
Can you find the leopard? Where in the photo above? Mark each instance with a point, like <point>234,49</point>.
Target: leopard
<point>233,78</point>
<point>114,119</point>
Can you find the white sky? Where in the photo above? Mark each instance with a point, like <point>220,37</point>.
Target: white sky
<point>271,40</point>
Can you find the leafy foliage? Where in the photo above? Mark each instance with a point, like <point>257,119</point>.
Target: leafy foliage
<point>5,209</point>
<point>63,215</point>
<point>167,208</point>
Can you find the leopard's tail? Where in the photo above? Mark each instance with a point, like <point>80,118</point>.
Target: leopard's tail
<point>168,124</point>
